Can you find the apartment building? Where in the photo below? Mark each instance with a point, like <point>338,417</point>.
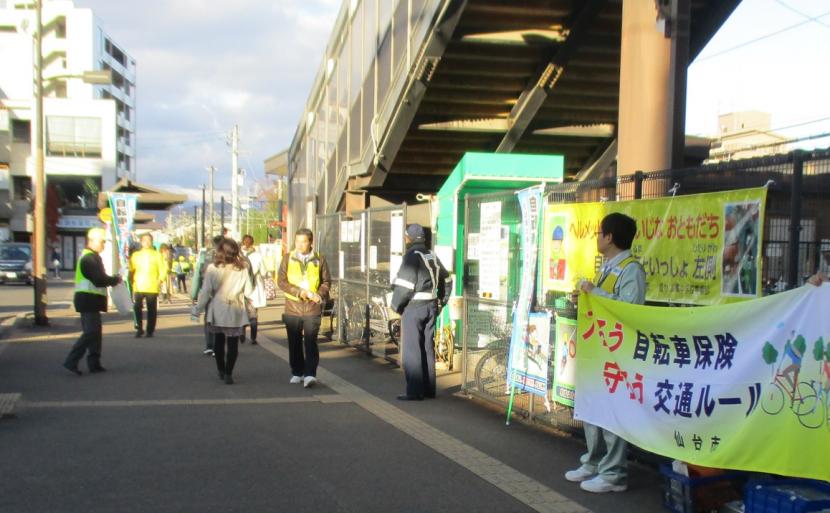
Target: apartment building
<point>89,129</point>
<point>746,134</point>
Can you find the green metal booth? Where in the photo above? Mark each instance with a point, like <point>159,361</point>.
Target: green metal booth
<point>479,176</point>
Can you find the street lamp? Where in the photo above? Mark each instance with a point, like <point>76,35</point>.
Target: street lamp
<point>99,77</point>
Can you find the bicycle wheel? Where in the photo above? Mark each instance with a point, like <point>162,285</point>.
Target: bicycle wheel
<point>807,407</point>
<point>772,399</point>
<point>355,325</point>
<point>395,332</point>
<point>441,347</point>
<point>491,373</point>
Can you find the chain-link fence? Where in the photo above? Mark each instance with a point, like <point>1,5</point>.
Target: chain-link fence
<point>368,247</point>
<point>327,243</point>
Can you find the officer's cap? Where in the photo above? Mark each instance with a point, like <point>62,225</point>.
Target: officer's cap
<point>415,232</point>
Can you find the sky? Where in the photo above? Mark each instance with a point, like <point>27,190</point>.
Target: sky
<point>205,65</point>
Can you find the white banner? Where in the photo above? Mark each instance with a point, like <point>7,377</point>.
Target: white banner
<point>740,386</point>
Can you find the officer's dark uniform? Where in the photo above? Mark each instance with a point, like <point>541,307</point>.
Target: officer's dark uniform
<point>418,290</point>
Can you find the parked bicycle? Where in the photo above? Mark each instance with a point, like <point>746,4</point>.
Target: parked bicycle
<point>383,322</point>
<point>445,345</point>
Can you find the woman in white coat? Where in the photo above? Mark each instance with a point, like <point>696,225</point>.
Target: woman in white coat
<point>226,287</point>
<point>257,297</point>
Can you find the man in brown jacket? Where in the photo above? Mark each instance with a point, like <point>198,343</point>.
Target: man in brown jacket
<point>304,278</point>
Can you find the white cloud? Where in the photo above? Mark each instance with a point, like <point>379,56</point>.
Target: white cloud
<point>203,66</point>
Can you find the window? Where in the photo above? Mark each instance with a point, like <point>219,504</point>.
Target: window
<point>73,137</point>
<point>22,188</point>
<point>21,131</point>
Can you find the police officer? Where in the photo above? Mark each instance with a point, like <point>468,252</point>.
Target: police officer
<point>91,282</point>
<point>418,293</point>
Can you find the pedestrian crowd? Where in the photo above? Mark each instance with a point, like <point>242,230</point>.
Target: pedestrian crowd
<point>230,283</point>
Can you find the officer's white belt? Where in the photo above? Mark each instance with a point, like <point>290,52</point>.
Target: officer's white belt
<point>419,296</point>
<point>404,283</point>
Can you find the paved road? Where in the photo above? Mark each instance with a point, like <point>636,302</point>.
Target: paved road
<point>18,298</point>
<point>159,432</point>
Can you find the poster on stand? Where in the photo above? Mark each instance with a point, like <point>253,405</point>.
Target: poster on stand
<point>698,249</point>
<point>564,378</point>
<point>529,354</point>
<point>740,386</point>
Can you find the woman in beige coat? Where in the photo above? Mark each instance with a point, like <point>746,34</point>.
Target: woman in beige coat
<point>227,283</point>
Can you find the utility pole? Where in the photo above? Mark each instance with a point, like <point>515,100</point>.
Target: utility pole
<point>196,225</point>
<point>235,181</point>
<point>39,261</point>
<point>222,214</point>
<point>203,241</point>
<point>211,170</point>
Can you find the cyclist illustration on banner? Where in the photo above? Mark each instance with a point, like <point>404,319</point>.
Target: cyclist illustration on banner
<point>806,394</point>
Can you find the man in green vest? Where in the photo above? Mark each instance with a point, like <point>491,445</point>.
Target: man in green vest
<point>621,278</point>
<point>304,278</point>
<point>91,282</point>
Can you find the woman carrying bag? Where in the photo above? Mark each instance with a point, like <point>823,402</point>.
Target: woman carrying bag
<point>226,287</point>
<point>257,298</point>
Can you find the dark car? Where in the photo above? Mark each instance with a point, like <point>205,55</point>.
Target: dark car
<point>15,262</point>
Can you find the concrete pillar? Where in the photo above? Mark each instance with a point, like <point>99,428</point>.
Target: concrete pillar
<point>652,86</point>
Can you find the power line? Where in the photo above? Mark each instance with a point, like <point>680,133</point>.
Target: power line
<point>180,135</point>
<point>805,15</point>
<point>777,143</point>
<point>800,124</point>
<point>761,38</point>
<point>176,144</point>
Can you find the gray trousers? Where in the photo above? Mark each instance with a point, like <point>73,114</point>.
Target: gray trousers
<point>89,341</point>
<point>611,464</point>
<point>418,351</point>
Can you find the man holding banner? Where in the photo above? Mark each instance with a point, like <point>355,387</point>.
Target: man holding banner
<point>621,278</point>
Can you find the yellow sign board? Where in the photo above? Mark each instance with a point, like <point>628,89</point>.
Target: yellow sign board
<point>105,215</point>
<point>697,249</point>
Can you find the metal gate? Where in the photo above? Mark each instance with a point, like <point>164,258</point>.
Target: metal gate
<point>366,250</point>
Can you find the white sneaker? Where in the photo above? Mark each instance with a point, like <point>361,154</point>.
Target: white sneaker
<point>309,381</point>
<point>578,475</point>
<point>600,485</point>
<point>296,379</point>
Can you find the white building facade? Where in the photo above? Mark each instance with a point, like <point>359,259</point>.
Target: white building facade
<point>89,129</point>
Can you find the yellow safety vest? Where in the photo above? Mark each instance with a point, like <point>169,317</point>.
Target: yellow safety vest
<point>82,284</point>
<point>609,282</point>
<point>149,269</point>
<point>306,276</point>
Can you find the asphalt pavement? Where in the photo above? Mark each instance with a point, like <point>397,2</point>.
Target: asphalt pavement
<point>160,432</point>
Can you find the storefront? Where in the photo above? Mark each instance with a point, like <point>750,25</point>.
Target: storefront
<point>71,231</point>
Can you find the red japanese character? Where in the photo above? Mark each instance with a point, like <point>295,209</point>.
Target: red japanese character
<point>613,376</point>
<point>635,390</point>
<point>616,334</point>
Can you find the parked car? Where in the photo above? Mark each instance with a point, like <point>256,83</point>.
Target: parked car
<point>15,262</point>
